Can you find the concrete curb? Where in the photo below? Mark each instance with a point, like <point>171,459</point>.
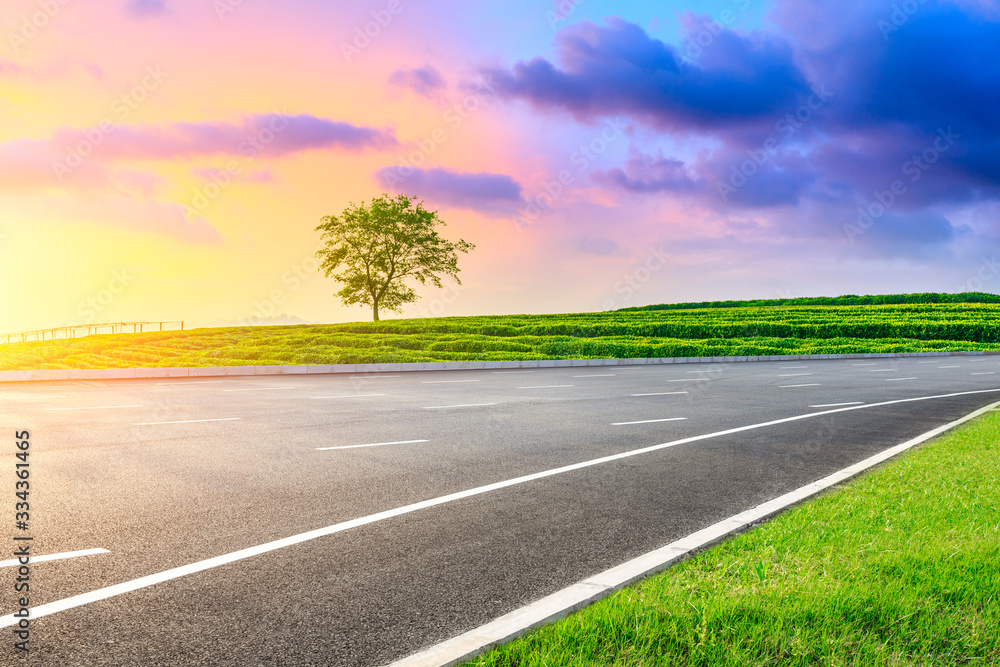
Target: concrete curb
<point>326,369</point>
<point>560,604</point>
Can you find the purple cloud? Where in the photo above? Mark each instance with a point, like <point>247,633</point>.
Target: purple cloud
<point>645,173</point>
<point>482,191</point>
<point>141,8</point>
<point>425,81</point>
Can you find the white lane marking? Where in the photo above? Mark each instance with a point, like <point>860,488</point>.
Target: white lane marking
<point>191,421</point>
<point>466,405</point>
<point>691,380</point>
<point>949,366</point>
<point>547,386</point>
<point>986,373</point>
<point>650,421</point>
<point>26,398</point>
<point>164,384</point>
<point>446,381</point>
<point>793,375</point>
<point>510,372</point>
<point>898,379</point>
<point>792,386</point>
<point>836,405</point>
<point>662,393</point>
<point>316,398</point>
<point>65,554</point>
<point>225,559</point>
<point>882,370</point>
<point>98,407</point>
<point>377,444</point>
<point>261,389</point>
<point>463,648</point>
<point>600,375</point>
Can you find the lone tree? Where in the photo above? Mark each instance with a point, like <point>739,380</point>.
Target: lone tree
<point>372,249</point>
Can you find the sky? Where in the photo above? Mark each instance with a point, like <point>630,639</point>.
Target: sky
<point>170,159</point>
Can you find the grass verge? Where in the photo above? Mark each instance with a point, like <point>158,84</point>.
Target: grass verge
<point>898,567</point>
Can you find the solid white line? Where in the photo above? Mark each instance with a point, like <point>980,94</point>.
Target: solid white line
<point>691,380</point>
<point>467,405</point>
<point>316,398</point>
<point>164,384</point>
<point>191,421</point>
<point>650,421</point>
<point>98,407</point>
<point>986,373</point>
<point>836,405</point>
<point>547,386</point>
<point>793,375</point>
<point>66,554</point>
<point>261,389</point>
<point>377,444</point>
<point>601,375</point>
<point>793,386</point>
<point>662,393</point>
<point>898,379</point>
<point>225,559</point>
<point>446,381</point>
<point>464,647</point>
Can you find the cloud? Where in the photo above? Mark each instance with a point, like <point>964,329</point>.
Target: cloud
<point>617,68</point>
<point>482,191</point>
<point>142,8</point>
<point>645,173</point>
<point>598,246</point>
<point>425,81</point>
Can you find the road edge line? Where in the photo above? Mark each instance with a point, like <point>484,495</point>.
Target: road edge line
<point>564,602</point>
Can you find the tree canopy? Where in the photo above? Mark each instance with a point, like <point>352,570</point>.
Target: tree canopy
<point>372,249</point>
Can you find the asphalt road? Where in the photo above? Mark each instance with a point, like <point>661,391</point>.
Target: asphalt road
<point>166,473</point>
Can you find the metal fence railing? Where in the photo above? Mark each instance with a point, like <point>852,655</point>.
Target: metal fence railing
<point>57,333</point>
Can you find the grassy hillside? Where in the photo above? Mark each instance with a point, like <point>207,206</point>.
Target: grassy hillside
<point>702,331</point>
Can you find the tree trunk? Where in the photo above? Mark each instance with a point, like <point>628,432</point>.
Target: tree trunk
<point>375,312</point>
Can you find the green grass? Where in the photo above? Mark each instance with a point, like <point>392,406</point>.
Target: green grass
<point>899,567</point>
<point>739,330</point>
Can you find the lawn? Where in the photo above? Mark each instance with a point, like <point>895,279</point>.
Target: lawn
<point>899,567</point>
<point>694,330</point>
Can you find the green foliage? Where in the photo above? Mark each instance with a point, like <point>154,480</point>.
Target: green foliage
<point>743,331</point>
<point>372,249</point>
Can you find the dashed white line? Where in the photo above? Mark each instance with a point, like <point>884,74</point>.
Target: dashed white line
<point>191,421</point>
<point>316,398</point>
<point>377,444</point>
<point>898,379</point>
<point>985,373</point>
<point>792,386</point>
<point>465,405</point>
<point>793,375</point>
<point>662,393</point>
<point>650,421</point>
<point>446,381</point>
<point>949,366</point>
<point>65,554</point>
<point>547,386</point>
<point>836,405</point>
<point>261,389</point>
<point>235,556</point>
<point>601,375</point>
<point>883,370</point>
<point>98,407</point>
<point>691,380</point>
